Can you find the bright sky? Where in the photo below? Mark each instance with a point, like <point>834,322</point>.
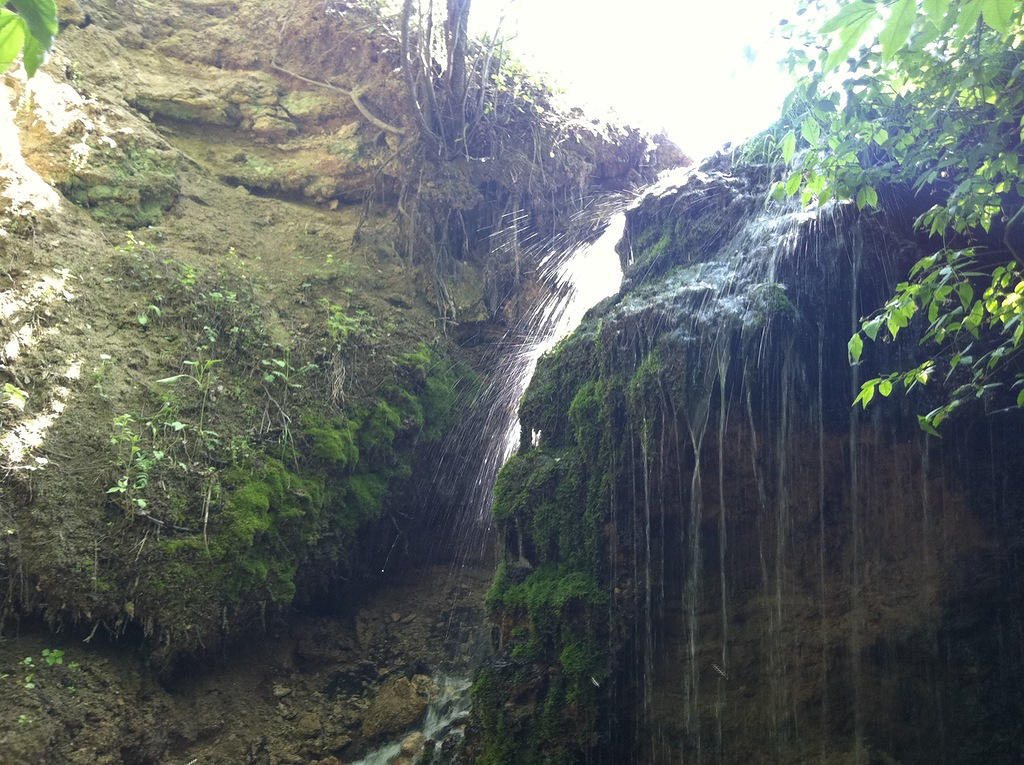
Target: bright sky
<point>705,71</point>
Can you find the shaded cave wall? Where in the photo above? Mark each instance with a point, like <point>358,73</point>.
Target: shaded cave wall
<point>710,557</point>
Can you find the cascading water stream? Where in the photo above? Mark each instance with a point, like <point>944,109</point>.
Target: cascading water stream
<point>720,314</point>
<point>573,277</point>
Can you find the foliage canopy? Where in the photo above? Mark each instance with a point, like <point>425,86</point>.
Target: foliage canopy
<point>929,99</point>
<point>27,30</point>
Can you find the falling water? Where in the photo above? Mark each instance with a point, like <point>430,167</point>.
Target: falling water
<point>772,555</point>
<point>734,316</point>
<point>573,276</point>
<point>446,710</point>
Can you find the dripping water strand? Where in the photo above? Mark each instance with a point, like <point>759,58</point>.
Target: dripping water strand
<point>858,733</point>
<point>574,270</point>
<point>821,541</point>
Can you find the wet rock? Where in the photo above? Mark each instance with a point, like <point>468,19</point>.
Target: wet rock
<point>324,641</point>
<point>399,703</point>
<point>308,725</point>
<point>413,744</point>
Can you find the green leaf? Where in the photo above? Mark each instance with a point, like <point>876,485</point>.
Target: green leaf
<point>894,324</point>
<point>810,130</point>
<point>897,28</point>
<point>788,147</point>
<point>871,328</point>
<point>867,197</point>
<point>966,293</point>
<point>880,136</point>
<point>1020,398</point>
<point>936,11</point>
<point>885,388</point>
<point>867,392</point>
<point>855,347</point>
<point>998,13</point>
<point>12,38</point>
<point>850,36</point>
<point>793,184</point>
<point>974,319</point>
<point>35,55</point>
<point>41,18</point>
<point>926,425</point>
<point>969,14</point>
<point>851,14</point>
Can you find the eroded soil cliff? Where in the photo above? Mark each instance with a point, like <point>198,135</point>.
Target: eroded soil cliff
<point>240,310</point>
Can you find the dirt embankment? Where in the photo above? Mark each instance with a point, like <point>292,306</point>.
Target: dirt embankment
<point>234,318</point>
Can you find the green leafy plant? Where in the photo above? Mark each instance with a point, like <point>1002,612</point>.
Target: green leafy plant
<point>14,396</point>
<point>931,102</point>
<point>150,310</point>
<point>99,374</point>
<point>135,463</point>
<point>280,374</point>
<point>281,371</point>
<point>203,376</point>
<point>340,324</point>
<point>27,30</point>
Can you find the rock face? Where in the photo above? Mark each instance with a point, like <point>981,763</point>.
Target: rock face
<point>235,286</point>
<point>223,320</point>
<point>710,556</point>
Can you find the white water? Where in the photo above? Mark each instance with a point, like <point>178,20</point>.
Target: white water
<point>573,284</point>
<point>451,703</point>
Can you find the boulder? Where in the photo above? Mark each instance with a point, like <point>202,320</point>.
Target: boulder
<point>399,703</point>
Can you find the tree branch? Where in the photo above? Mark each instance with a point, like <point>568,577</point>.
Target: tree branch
<point>355,95</point>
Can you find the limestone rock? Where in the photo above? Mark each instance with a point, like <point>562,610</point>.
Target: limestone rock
<point>399,703</point>
<point>413,744</point>
<point>97,152</point>
<point>308,725</point>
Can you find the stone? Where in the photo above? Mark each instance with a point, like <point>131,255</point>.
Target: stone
<point>280,691</point>
<point>398,704</point>
<point>413,744</point>
<point>308,725</point>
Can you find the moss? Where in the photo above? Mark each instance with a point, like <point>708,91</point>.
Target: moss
<point>547,592</point>
<point>251,550</point>
<point>129,186</point>
<point>545,404</point>
<point>334,440</point>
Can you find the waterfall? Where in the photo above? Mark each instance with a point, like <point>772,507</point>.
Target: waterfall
<point>446,710</point>
<point>573,274</point>
<point>712,557</point>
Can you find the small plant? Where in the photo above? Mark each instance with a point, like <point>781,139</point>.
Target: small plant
<point>188,277</point>
<point>29,680</point>
<point>99,374</point>
<point>281,370</point>
<point>203,376</point>
<point>136,246</point>
<point>150,310</point>
<point>134,461</point>
<point>13,396</point>
<point>53,656</point>
<point>340,324</point>
<point>24,719</point>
